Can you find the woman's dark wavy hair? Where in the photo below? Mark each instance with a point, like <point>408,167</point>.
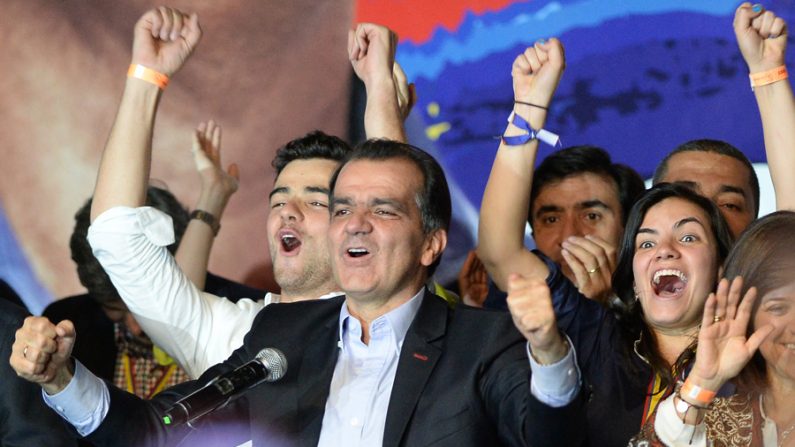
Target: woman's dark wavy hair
<point>630,316</point>
<point>764,256</point>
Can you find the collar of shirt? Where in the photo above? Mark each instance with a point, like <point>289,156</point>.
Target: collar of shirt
<point>398,320</point>
<point>331,295</point>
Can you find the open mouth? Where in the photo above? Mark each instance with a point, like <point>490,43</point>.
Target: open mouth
<point>357,252</point>
<point>290,243</point>
<point>669,282</point>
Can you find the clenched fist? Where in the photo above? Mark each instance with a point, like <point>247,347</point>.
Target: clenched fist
<point>165,38</point>
<point>41,353</point>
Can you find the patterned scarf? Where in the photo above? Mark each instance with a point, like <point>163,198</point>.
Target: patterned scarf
<point>142,368</point>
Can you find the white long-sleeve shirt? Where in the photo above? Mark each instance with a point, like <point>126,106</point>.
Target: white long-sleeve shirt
<point>196,328</point>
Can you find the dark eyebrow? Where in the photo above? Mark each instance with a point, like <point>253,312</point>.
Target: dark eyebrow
<point>593,204</point>
<point>279,190</point>
<point>548,209</point>
<point>309,189</point>
<point>390,202</point>
<point>688,183</point>
<point>317,189</point>
<point>687,220</point>
<point>335,201</point>
<point>731,189</point>
<point>676,225</point>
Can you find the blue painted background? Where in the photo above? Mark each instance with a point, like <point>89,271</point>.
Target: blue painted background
<point>642,77</point>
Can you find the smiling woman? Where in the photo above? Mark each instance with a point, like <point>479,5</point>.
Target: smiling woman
<point>669,262</point>
<point>670,256</point>
<point>734,325</point>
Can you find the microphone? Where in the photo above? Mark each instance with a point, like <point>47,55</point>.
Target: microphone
<point>269,365</point>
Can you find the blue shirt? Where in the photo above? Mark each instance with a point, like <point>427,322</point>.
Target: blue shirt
<point>358,400</point>
<point>356,409</point>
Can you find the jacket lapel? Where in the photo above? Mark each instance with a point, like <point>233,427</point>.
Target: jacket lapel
<point>421,350</point>
<point>314,378</point>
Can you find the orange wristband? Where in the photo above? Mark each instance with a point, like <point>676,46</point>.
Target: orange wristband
<point>147,74</point>
<point>768,77</point>
<point>695,393</point>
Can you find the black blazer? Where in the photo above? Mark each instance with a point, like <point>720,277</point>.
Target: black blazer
<point>462,380</point>
<point>7,293</point>
<point>95,346</point>
<point>24,418</point>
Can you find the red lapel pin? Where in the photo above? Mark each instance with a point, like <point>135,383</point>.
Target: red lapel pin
<point>419,356</point>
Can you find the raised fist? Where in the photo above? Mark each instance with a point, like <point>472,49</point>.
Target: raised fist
<point>165,38</point>
<point>530,304</point>
<point>761,36</point>
<point>536,72</point>
<point>371,50</point>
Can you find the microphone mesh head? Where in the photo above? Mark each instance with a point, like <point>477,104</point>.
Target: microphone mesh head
<point>275,361</point>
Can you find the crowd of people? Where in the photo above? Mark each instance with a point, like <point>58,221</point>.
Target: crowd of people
<point>660,316</point>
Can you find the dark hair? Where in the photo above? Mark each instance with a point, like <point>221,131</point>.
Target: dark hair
<point>312,145</point>
<point>434,199</point>
<point>764,256</point>
<point>630,315</point>
<point>92,275</point>
<point>716,147</point>
<point>578,160</point>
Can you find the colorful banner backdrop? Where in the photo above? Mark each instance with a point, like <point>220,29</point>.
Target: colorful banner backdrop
<point>642,77</point>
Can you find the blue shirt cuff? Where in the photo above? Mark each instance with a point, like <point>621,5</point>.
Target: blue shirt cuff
<point>557,384</point>
<point>83,403</point>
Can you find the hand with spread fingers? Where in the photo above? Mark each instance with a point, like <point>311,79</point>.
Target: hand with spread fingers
<point>530,304</point>
<point>41,353</point>
<point>592,261</point>
<point>165,38</point>
<point>473,281</point>
<point>723,348</point>
<point>218,184</point>
<point>217,187</point>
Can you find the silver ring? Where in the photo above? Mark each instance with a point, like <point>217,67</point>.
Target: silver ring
<point>25,353</point>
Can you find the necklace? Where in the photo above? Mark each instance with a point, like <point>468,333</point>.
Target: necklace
<point>783,433</point>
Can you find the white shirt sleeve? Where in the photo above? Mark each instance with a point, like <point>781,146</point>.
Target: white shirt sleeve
<point>672,431</point>
<point>84,402</point>
<point>557,384</point>
<point>197,329</point>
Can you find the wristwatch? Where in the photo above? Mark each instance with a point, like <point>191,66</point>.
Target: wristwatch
<point>207,218</point>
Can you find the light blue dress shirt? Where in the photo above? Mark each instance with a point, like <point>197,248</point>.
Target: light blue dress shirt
<point>361,386</point>
<point>357,404</point>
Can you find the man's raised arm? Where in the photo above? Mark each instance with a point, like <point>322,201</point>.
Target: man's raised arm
<point>371,50</point>
<point>164,39</point>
